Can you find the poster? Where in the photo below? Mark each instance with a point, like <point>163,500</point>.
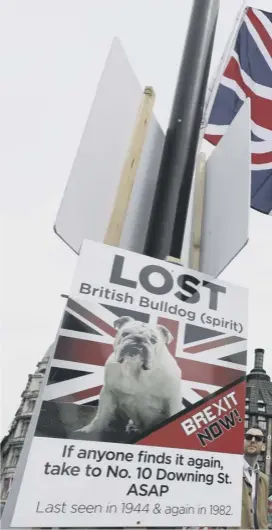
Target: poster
<point>141,422</point>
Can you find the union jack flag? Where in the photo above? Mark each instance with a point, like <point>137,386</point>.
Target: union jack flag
<point>249,75</point>
<point>209,360</point>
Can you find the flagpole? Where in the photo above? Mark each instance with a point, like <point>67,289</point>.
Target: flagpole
<point>198,186</point>
<point>169,212</point>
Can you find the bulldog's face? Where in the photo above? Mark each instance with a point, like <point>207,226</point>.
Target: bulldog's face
<point>137,343</point>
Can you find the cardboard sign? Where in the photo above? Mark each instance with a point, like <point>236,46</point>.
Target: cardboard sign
<point>142,416</point>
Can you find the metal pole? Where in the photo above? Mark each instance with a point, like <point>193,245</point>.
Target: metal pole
<point>169,211</point>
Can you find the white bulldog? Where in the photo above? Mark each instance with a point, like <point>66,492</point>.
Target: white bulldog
<point>142,381</point>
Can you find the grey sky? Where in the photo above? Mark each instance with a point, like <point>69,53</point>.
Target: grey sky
<point>52,55</point>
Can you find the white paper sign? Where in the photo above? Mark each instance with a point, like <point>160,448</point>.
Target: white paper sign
<point>142,416</point>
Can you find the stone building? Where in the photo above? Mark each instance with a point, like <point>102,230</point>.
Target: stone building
<point>12,443</point>
<point>259,407</point>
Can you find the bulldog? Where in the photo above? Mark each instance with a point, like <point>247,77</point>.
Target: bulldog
<point>142,381</point>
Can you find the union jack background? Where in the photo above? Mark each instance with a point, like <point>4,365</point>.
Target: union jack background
<point>249,75</point>
<point>209,360</point>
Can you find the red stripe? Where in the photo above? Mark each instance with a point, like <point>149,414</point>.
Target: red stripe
<point>213,344</point>
<point>91,317</point>
<point>201,393</point>
<point>82,351</point>
<point>261,158</point>
<point>213,138</point>
<point>173,327</point>
<point>208,374</point>
<point>266,38</point>
<point>77,396</point>
<point>261,108</point>
<point>256,158</point>
<point>173,435</point>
